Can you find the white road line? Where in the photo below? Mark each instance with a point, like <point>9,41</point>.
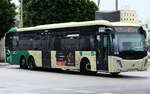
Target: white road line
<point>78,91</point>
<point>75,90</point>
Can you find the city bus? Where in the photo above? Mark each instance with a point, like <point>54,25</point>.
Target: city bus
<point>89,46</point>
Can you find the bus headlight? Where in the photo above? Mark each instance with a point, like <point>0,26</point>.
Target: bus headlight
<point>119,63</point>
<point>146,61</point>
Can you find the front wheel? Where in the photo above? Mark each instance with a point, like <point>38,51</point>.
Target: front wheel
<point>85,67</point>
<point>23,63</point>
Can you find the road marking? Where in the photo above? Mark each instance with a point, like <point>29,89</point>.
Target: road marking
<point>78,90</point>
<point>75,90</point>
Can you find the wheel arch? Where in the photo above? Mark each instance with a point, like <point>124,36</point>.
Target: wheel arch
<point>84,59</point>
<point>91,61</point>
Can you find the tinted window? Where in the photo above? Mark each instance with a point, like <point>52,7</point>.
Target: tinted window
<point>87,43</point>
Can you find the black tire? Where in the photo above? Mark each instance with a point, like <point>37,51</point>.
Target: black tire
<point>23,63</point>
<point>31,63</point>
<point>85,67</point>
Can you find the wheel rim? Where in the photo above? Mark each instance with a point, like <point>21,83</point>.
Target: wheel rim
<point>23,63</point>
<point>88,67</point>
<point>31,63</point>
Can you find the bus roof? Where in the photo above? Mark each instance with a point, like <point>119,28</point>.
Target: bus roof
<point>125,24</point>
<point>65,25</point>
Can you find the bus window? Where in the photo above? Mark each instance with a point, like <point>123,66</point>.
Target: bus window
<point>70,42</point>
<point>15,42</point>
<point>29,41</point>
<point>87,43</point>
<point>8,41</point>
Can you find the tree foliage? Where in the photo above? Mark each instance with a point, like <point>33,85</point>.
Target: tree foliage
<point>37,12</point>
<point>7,16</point>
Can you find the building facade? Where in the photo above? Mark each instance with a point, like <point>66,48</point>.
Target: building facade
<point>128,16</point>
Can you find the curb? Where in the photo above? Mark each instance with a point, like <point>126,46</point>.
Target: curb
<point>3,64</point>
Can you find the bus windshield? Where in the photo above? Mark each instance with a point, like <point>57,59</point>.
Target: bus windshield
<point>129,40</point>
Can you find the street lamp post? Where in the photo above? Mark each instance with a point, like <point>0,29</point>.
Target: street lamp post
<point>116,5</point>
<point>21,13</point>
<point>98,2</point>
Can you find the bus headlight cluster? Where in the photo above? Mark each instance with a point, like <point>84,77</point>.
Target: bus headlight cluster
<point>146,61</point>
<point>119,63</point>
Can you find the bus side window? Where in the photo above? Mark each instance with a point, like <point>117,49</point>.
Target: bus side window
<point>29,41</point>
<point>25,42</point>
<point>57,43</point>
<point>92,43</point>
<point>8,41</point>
<point>15,42</point>
<point>70,42</point>
<point>36,42</point>
<point>87,43</point>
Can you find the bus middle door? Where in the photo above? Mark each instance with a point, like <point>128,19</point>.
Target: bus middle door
<point>45,51</point>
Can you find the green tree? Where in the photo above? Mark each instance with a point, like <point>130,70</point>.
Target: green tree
<point>7,16</point>
<point>37,12</point>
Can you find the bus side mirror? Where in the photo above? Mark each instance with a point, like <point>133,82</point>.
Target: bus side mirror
<point>110,31</point>
<point>142,31</point>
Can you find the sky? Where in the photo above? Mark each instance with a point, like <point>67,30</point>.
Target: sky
<point>141,6</point>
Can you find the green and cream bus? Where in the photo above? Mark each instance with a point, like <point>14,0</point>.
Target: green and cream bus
<point>90,46</point>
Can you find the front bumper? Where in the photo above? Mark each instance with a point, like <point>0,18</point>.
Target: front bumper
<point>117,64</point>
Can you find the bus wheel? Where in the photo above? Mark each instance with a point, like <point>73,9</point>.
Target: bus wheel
<point>85,67</point>
<point>31,63</point>
<point>23,64</point>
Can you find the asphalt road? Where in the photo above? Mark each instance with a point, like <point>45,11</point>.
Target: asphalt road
<point>18,81</point>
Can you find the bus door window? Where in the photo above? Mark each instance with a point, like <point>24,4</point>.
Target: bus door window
<point>100,43</point>
<point>103,50</point>
<point>107,46</point>
<point>57,44</point>
<point>36,42</point>
<point>51,42</point>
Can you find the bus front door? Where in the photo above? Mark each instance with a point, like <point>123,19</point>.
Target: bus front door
<point>103,49</point>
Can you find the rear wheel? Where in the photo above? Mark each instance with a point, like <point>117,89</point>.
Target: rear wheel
<point>85,67</point>
<point>31,63</point>
<point>23,64</point>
